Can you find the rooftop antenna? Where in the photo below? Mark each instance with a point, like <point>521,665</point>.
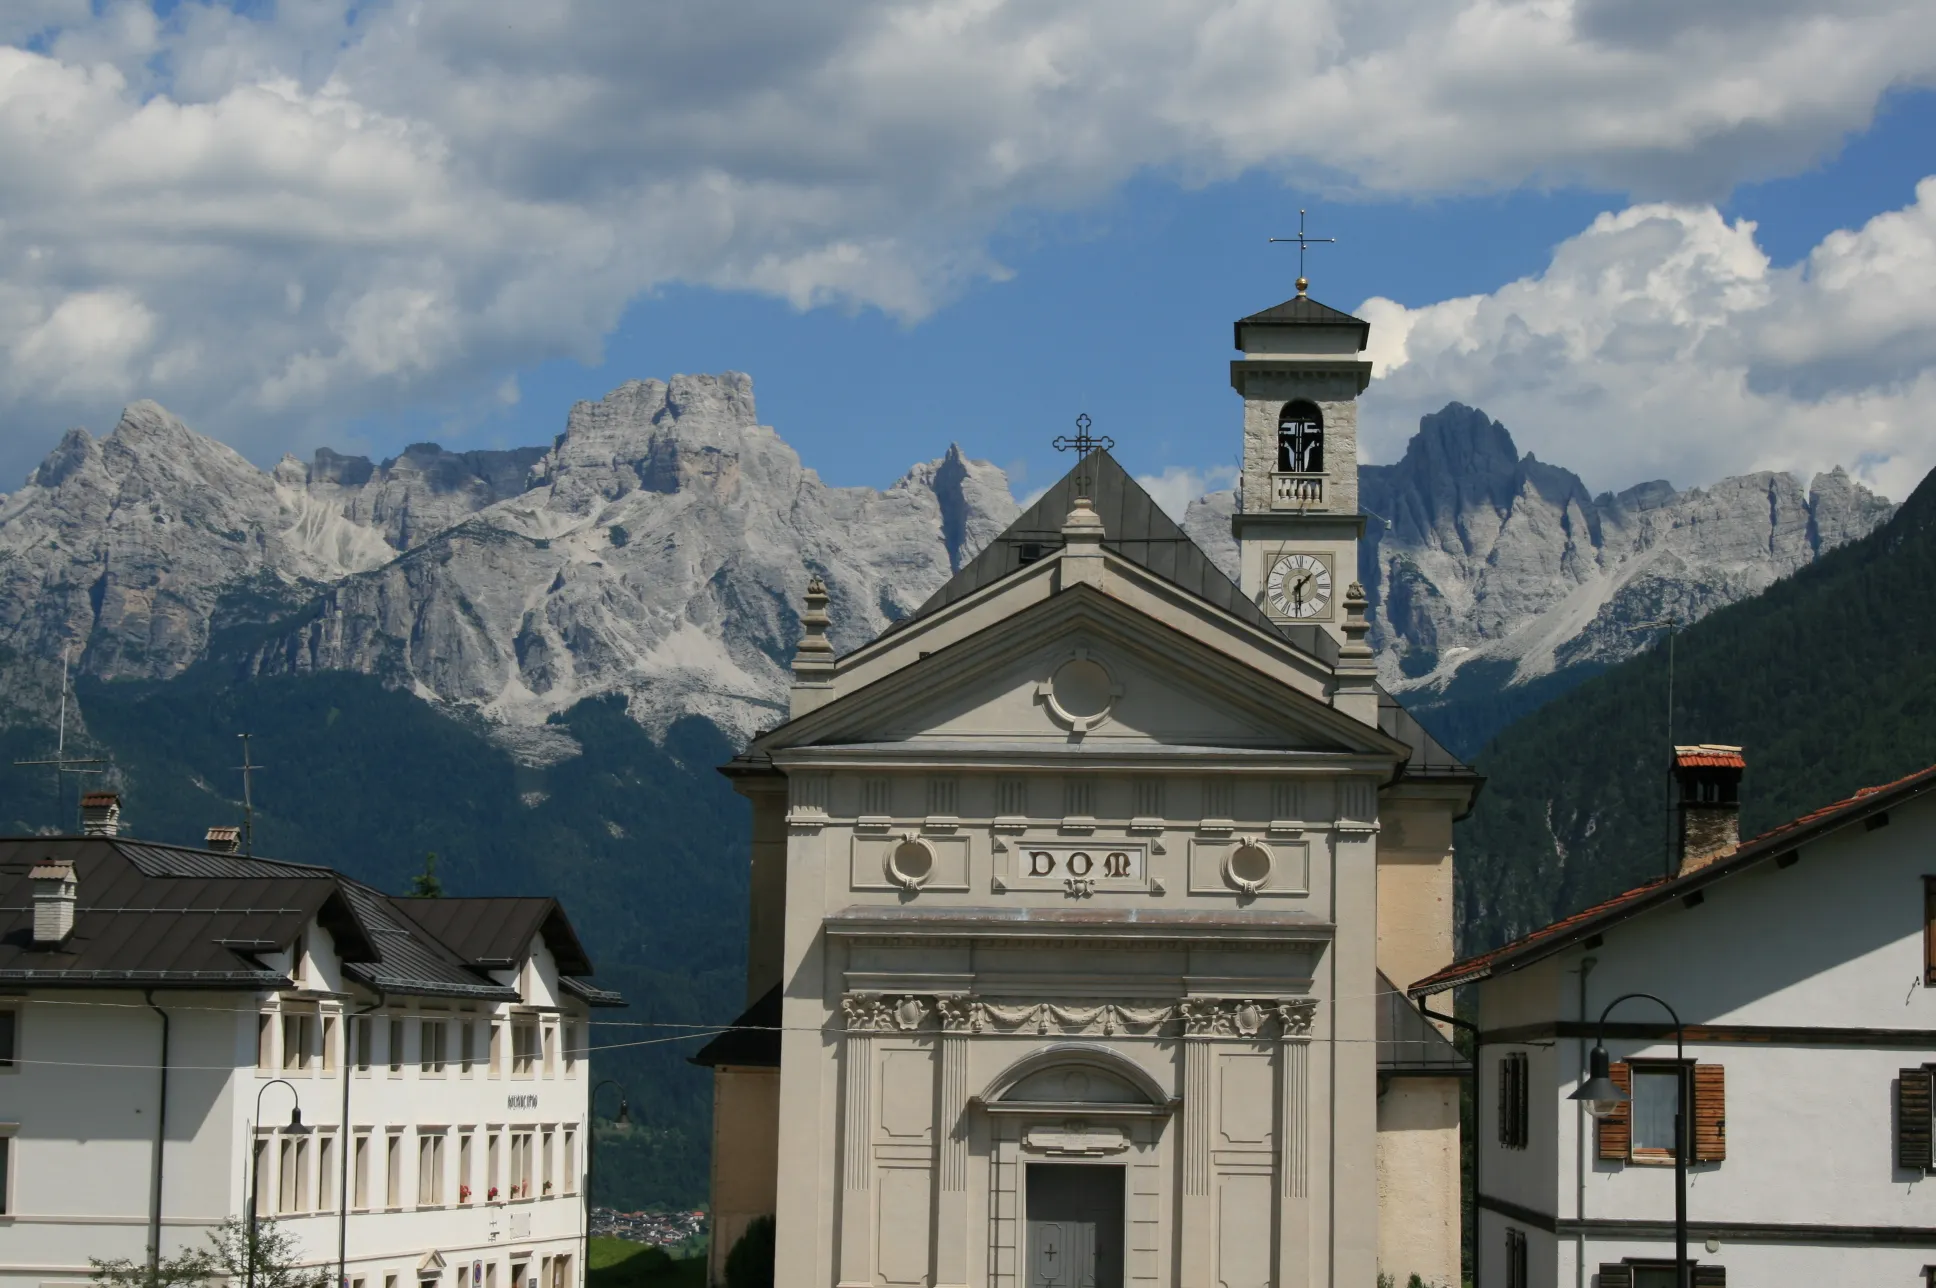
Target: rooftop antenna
<point>248,768</point>
<point>1304,243</point>
<point>1082,443</point>
<point>60,761</point>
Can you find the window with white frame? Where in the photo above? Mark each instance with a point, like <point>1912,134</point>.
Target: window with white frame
<point>396,1045</point>
<point>298,1041</point>
<point>550,1049</point>
<point>430,1169</point>
<point>574,1048</point>
<point>326,1172</point>
<point>524,1047</point>
<point>361,1032</point>
<point>432,1038</point>
<point>465,1142</point>
<point>360,1172</point>
<point>521,1164</point>
<point>545,1176</point>
<point>570,1161</point>
<point>293,1194</point>
<point>9,1037</point>
<point>1656,1098</point>
<point>264,1194</point>
<point>466,1045</point>
<point>393,1170</point>
<point>493,1168</point>
<point>497,1048</point>
<point>265,1042</point>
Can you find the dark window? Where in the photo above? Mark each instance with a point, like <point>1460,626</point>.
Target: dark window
<point>1300,438</point>
<point>6,1170</point>
<point>1515,1258</point>
<point>1929,930</point>
<point>1515,1100</point>
<point>9,1026</point>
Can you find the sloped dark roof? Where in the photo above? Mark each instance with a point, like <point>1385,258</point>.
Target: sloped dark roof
<point>1408,1043</point>
<point>137,923</point>
<point>1135,527</point>
<point>496,933</point>
<point>753,1041</point>
<point>1776,841</point>
<point>1301,310</point>
<point>1428,760</point>
<point>162,915</point>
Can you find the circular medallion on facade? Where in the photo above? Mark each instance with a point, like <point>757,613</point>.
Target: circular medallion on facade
<point>1080,693</point>
<point>1249,1018</point>
<point>1248,865</point>
<point>910,863</point>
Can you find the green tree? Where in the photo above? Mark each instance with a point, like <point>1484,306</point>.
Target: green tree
<point>237,1253</point>
<point>427,884</point>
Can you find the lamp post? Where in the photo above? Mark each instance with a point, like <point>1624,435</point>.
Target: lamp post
<point>1603,1097</point>
<point>295,1128</point>
<point>624,1119</point>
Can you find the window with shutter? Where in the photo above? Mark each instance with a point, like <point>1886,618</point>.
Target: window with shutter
<point>1929,930</point>
<point>1710,1113</point>
<point>1614,1131</point>
<point>1614,1276</point>
<point>1514,1100</point>
<point>1516,1259</point>
<point>1912,1119</point>
<point>1710,1276</point>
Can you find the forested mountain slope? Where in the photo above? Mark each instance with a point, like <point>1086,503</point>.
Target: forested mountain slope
<point>1827,679</point>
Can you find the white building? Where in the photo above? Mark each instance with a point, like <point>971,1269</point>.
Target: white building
<point>1800,963</point>
<point>1073,893</point>
<point>152,997</point>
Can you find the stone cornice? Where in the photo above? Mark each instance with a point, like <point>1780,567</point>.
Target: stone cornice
<point>1190,1017</point>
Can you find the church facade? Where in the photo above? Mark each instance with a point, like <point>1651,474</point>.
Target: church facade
<point>1082,903</point>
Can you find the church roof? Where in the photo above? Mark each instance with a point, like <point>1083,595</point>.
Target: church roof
<point>1135,527</point>
<point>1302,310</point>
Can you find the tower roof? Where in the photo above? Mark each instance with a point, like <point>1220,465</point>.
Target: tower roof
<point>1302,310</point>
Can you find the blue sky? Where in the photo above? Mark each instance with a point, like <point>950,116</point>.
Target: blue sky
<point>1639,234</point>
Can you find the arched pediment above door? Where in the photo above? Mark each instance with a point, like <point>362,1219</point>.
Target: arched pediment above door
<point>1075,1077</point>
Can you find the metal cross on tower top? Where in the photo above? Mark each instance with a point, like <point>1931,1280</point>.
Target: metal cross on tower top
<point>1304,243</point>
<point>1082,444</point>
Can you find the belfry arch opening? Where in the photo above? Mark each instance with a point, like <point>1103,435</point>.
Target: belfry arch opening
<point>1300,438</point>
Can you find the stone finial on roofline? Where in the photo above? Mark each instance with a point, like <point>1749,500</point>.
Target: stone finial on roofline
<point>1082,534</point>
<point>813,660</point>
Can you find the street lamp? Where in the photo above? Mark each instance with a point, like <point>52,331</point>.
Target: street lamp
<point>624,1119</point>
<point>295,1128</point>
<point>1602,1097</point>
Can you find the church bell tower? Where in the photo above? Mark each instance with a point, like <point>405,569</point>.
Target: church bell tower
<point>1297,522</point>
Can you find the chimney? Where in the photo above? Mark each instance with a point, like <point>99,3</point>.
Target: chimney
<point>1708,776</point>
<point>224,840</point>
<point>55,892</point>
<point>100,814</point>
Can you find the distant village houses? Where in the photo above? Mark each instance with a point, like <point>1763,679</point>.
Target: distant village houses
<point>400,1082</point>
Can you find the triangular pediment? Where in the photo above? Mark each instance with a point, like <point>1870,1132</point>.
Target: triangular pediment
<point>1083,669</point>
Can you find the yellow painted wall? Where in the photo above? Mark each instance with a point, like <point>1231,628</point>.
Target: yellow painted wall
<point>1418,1180</point>
<point>746,1156</point>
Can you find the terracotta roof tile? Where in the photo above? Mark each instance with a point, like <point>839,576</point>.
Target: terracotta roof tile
<point>1531,947</point>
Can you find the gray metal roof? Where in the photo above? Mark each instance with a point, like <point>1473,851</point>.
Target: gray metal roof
<point>1410,1044</point>
<point>1135,527</point>
<point>169,916</point>
<point>1301,310</point>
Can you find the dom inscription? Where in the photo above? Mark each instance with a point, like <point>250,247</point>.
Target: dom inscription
<point>1102,864</point>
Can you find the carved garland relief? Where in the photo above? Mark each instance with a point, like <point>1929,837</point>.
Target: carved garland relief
<point>1188,1017</point>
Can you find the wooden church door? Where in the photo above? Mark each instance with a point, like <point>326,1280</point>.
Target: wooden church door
<point>1075,1226</point>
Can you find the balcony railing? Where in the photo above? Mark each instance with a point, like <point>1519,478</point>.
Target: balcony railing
<point>1297,491</point>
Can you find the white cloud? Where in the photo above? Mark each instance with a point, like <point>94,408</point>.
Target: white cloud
<point>1178,485</point>
<point>1661,343</point>
<point>326,206</point>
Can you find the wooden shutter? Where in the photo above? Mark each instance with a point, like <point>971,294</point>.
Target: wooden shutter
<point>1912,1119</point>
<point>1929,930</point>
<point>1710,1113</point>
<point>1710,1276</point>
<point>1615,1130</point>
<point>1505,1100</point>
<point>1615,1275</point>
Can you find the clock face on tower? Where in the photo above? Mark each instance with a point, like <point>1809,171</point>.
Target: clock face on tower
<point>1299,586</point>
